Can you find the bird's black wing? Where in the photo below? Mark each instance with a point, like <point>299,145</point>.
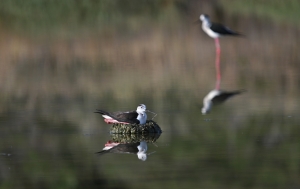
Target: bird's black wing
<point>129,117</point>
<point>223,30</point>
<point>225,95</point>
<point>126,148</point>
<point>101,112</point>
<point>122,148</point>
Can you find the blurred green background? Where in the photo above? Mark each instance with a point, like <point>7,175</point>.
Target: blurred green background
<point>60,60</point>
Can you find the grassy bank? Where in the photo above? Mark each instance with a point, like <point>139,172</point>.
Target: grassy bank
<point>278,11</point>
<point>68,17</point>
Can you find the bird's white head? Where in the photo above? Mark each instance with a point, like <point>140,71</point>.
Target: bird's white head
<point>204,17</point>
<point>141,108</point>
<point>206,107</point>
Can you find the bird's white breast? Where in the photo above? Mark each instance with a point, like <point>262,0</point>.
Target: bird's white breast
<point>142,117</point>
<point>206,29</point>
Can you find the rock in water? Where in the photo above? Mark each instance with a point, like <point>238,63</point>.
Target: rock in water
<point>149,127</point>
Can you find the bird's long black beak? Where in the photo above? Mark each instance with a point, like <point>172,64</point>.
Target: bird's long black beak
<point>155,114</point>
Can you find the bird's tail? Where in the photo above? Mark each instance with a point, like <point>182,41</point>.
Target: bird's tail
<point>101,112</point>
<point>101,152</point>
<point>238,91</point>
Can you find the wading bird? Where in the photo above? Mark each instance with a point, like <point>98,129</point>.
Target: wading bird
<point>215,30</point>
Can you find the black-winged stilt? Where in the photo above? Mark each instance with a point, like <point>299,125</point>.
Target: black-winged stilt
<point>138,116</point>
<point>216,97</point>
<point>215,30</point>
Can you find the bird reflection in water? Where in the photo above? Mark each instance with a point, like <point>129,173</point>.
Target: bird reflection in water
<point>138,148</point>
<point>216,97</point>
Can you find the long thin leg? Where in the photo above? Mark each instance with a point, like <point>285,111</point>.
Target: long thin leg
<point>218,72</point>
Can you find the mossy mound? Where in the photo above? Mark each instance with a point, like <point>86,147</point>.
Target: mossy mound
<point>149,127</point>
<point>133,138</point>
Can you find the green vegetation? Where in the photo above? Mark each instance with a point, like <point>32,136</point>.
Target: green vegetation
<point>277,10</point>
<point>68,16</point>
<point>39,16</point>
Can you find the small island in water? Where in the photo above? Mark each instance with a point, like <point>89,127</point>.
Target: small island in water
<point>149,127</point>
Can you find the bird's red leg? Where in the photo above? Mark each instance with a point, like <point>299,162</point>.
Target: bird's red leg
<point>218,72</point>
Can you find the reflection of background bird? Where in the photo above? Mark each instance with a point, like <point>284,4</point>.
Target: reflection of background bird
<point>138,116</point>
<point>139,148</point>
<point>216,97</point>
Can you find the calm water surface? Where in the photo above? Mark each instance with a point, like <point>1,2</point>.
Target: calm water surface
<point>40,150</point>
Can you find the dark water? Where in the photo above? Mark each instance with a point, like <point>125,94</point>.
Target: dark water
<point>221,150</point>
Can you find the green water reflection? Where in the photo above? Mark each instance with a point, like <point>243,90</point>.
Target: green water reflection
<point>260,151</point>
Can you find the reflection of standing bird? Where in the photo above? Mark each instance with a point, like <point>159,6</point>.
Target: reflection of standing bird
<point>215,30</point>
<point>138,116</point>
<point>216,97</point>
<point>139,148</point>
